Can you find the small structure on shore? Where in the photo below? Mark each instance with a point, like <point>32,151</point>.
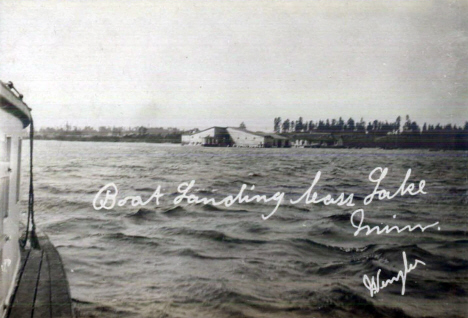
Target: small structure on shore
<point>313,140</point>
<point>234,137</point>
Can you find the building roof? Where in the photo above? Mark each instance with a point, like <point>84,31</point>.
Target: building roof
<point>259,133</point>
<point>256,133</point>
<point>204,130</point>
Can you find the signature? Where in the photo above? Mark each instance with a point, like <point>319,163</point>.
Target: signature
<point>374,285</point>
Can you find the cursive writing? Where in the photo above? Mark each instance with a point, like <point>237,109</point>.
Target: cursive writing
<point>107,198</point>
<point>386,229</point>
<point>385,194</point>
<point>229,200</point>
<point>310,197</point>
<point>110,192</point>
<point>374,285</point>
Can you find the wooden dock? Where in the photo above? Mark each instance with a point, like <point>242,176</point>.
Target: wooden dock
<point>42,290</point>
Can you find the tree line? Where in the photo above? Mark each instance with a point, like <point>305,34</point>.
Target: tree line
<point>69,130</point>
<point>372,127</point>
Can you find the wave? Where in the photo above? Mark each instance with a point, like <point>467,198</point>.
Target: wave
<point>256,228</point>
<point>142,213</point>
<point>188,252</point>
<point>83,224</point>
<point>353,303</point>
<point>454,244</point>
<point>255,174</point>
<point>66,190</point>
<point>90,247</point>
<point>145,189</point>
<point>129,238</point>
<point>339,301</point>
<point>211,235</point>
<point>452,232</point>
<point>339,217</point>
<point>310,245</point>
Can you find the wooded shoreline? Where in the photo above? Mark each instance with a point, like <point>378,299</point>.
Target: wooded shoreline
<point>436,141</point>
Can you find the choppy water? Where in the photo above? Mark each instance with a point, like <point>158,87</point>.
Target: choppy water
<point>205,261</point>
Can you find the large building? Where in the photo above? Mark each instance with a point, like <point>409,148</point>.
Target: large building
<point>214,136</point>
<point>234,137</point>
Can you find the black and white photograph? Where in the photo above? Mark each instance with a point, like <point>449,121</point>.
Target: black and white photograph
<point>233,158</point>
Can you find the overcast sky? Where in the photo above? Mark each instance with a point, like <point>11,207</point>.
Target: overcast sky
<point>203,63</point>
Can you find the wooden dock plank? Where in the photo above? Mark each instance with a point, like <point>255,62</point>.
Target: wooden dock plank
<point>60,295</point>
<point>42,306</point>
<point>42,290</point>
<point>25,294</point>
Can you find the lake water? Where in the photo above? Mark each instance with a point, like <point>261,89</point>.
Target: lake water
<point>198,260</point>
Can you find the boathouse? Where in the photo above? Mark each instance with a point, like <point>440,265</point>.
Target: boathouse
<point>210,137</point>
<point>234,137</point>
<point>245,138</point>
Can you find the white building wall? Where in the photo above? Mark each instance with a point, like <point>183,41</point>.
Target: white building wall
<point>245,139</point>
<point>198,139</point>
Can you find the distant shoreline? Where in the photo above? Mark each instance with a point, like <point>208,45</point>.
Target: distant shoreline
<point>145,139</point>
<point>352,141</point>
